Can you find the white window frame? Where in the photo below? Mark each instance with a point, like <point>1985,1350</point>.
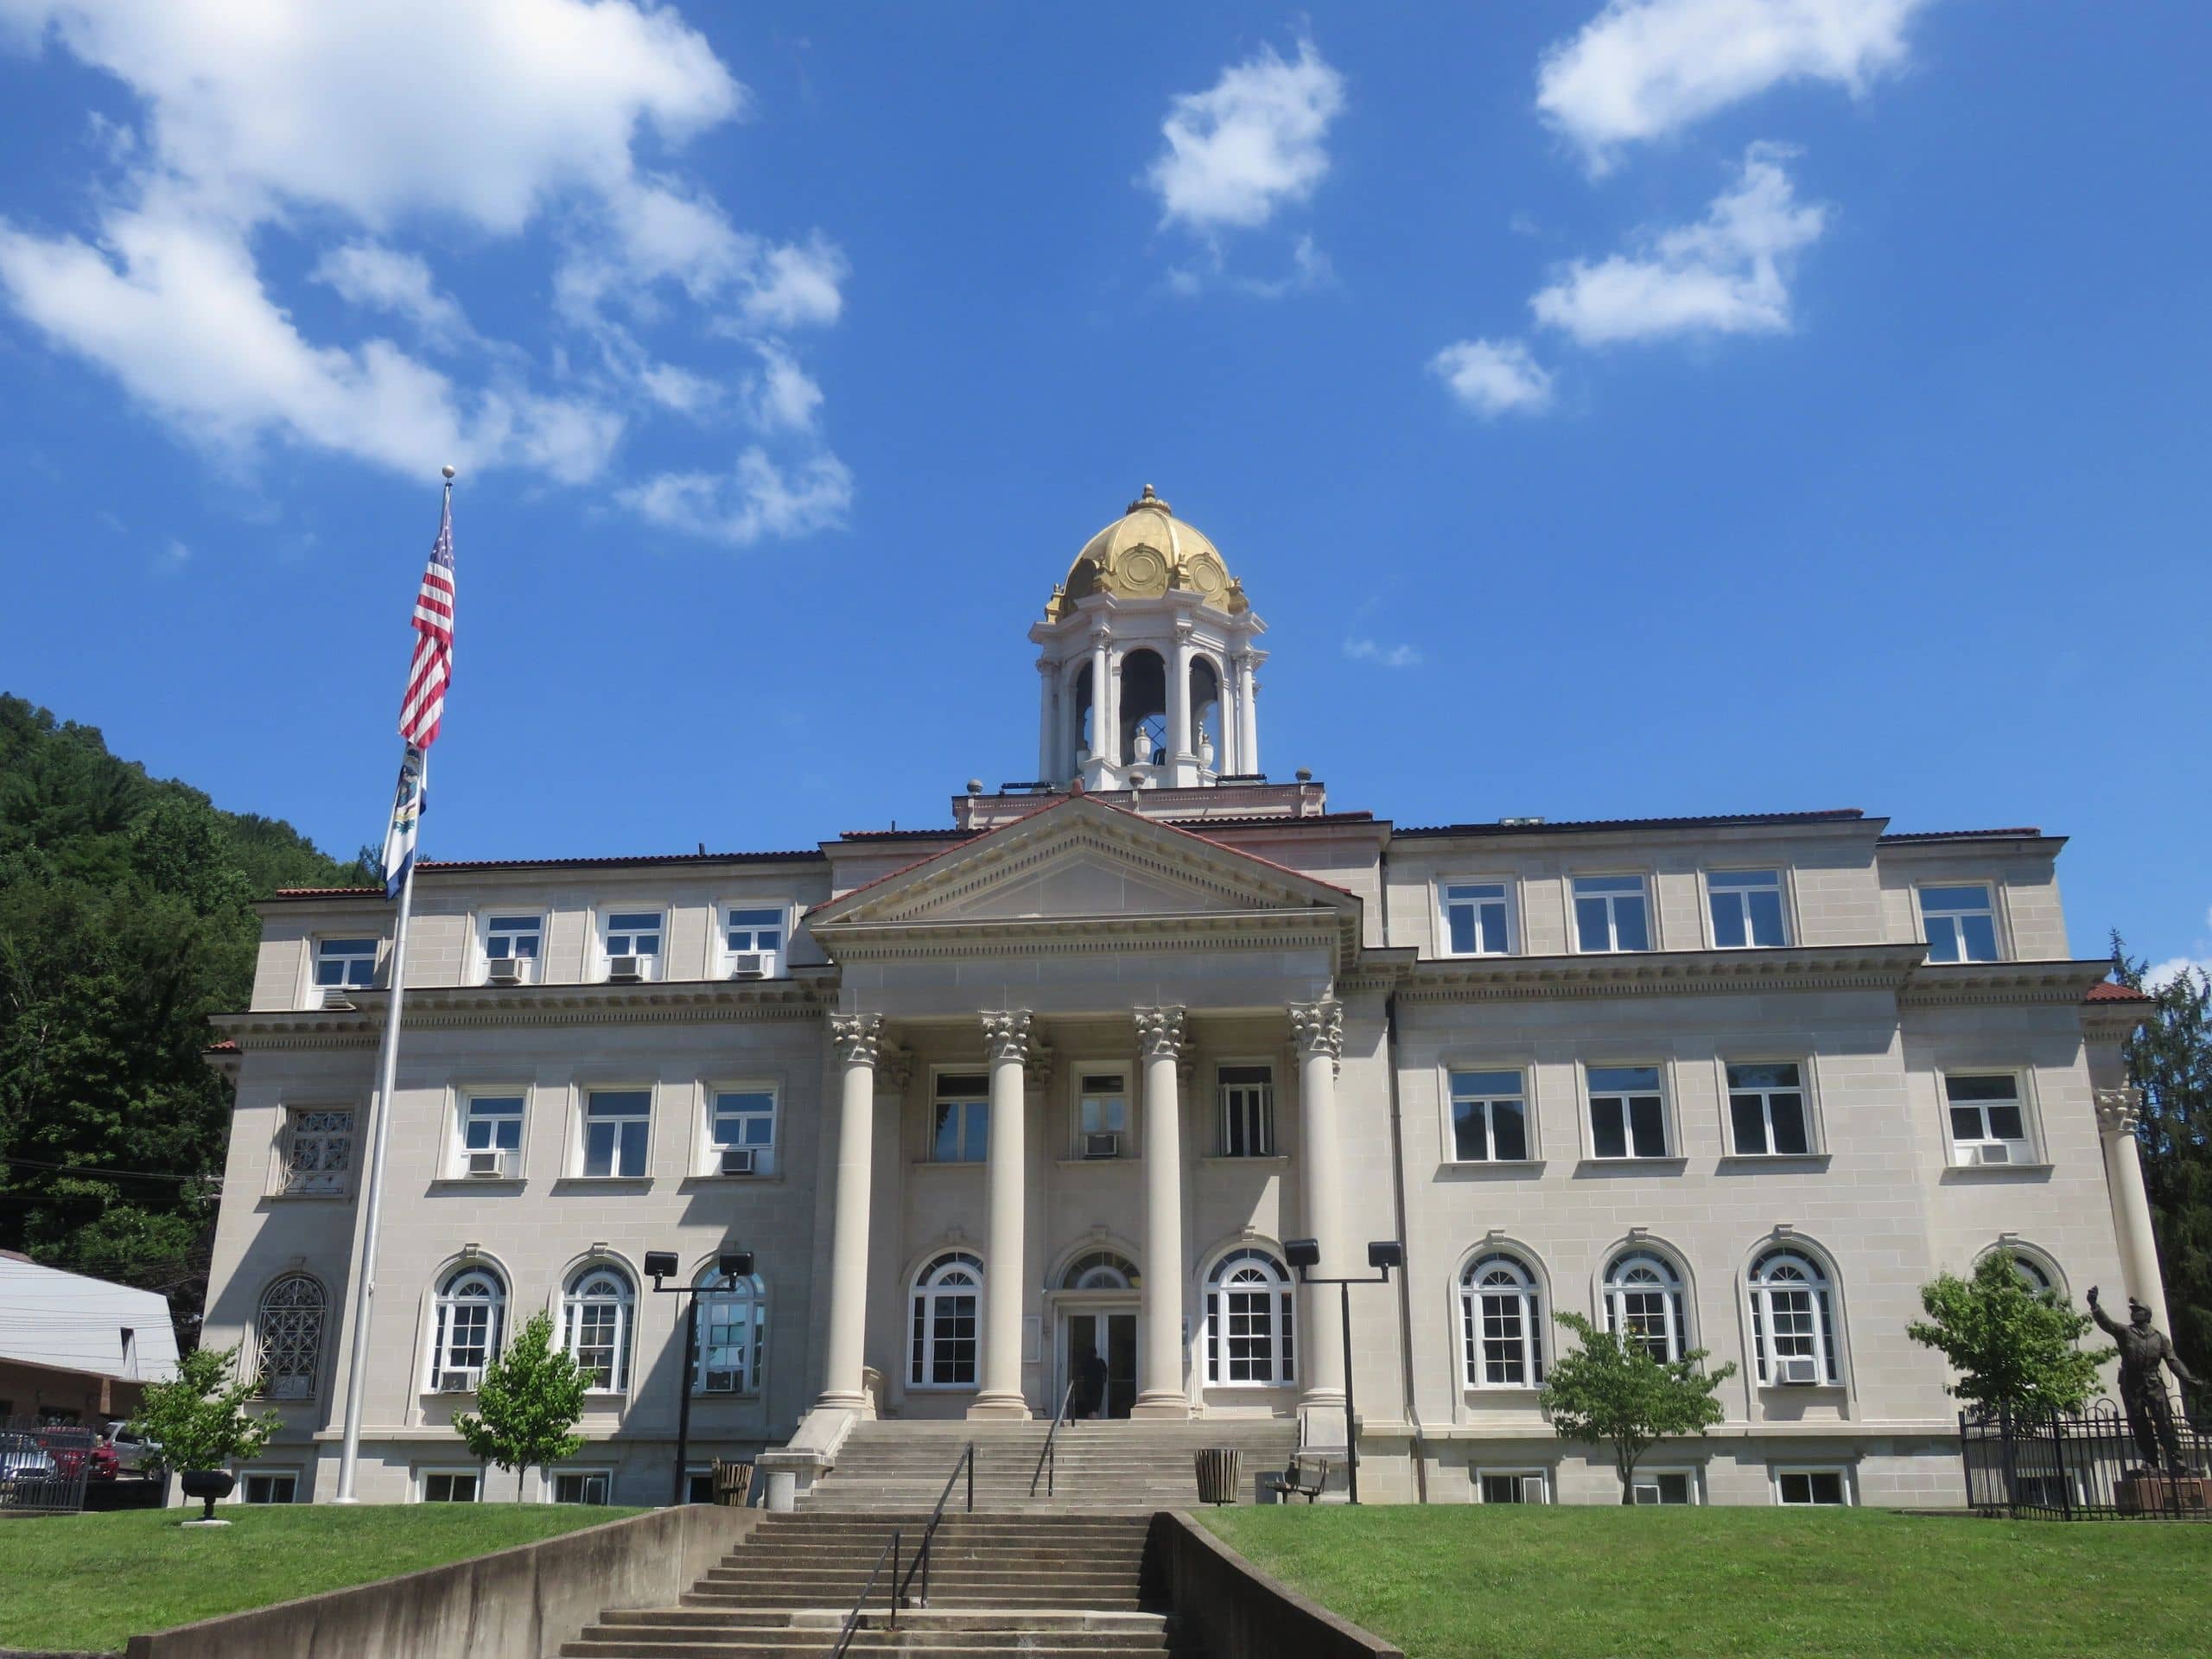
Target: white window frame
<point>1454,1098</point>
<point>1965,1153</point>
<point>295,1327</point>
<point>1694,1488</point>
<point>299,1129</point>
<point>1841,1470</point>
<point>2038,1268</point>
<point>580,1144</point>
<point>1612,947</point>
<point>1516,1473</point>
<point>465,1101</point>
<point>1670,1139</point>
<point>967,1102</point>
<point>535,973</point>
<point>1668,1283</point>
<point>320,995</point>
<point>1993,890</point>
<point>603,932</point>
<point>1279,1287</point>
<point>1762,1286</point>
<point>1526,1290</point>
<point>780,953</point>
<point>1780,888</point>
<point>449,1302</point>
<point>751,1296</point>
<point>576,1305</point>
<point>765,1160</point>
<point>1806,1105</point>
<point>1259,1113</point>
<point>292,1472</point>
<point>931,1284</point>
<point>421,1484</point>
<point>1508,924</point>
<point>1079,1095</point>
<point>600,1472</point>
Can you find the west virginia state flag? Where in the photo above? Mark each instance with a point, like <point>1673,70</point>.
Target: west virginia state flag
<point>406,819</point>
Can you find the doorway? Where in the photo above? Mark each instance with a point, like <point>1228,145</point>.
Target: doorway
<point>1111,1334</point>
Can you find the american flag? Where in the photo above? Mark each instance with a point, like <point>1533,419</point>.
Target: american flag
<point>424,706</point>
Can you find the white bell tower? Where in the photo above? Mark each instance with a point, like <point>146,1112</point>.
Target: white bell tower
<point>1149,675</point>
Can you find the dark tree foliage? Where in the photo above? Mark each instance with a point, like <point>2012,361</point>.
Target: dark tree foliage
<point>2170,1061</point>
<point>126,920</point>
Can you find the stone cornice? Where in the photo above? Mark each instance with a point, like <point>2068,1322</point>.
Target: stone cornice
<point>1978,984</point>
<point>1029,936</point>
<point>1657,972</point>
<point>469,1007</point>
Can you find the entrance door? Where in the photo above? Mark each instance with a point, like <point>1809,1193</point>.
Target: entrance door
<point>1111,1336</point>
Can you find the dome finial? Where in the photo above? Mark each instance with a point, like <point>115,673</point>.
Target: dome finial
<point>1149,499</point>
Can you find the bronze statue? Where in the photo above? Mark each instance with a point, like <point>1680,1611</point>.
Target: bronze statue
<point>2142,1390</point>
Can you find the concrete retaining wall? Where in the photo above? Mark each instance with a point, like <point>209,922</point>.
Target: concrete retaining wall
<point>1238,1612</point>
<point>518,1604</point>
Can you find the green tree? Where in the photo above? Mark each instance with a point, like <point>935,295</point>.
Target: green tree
<point>1611,1391</point>
<point>2014,1349</point>
<point>2171,1061</point>
<point>200,1421</point>
<point>527,1404</point>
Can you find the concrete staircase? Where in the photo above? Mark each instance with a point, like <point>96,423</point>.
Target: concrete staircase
<point>1109,1467</point>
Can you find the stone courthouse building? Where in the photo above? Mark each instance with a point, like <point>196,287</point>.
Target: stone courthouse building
<point>1063,1076</point>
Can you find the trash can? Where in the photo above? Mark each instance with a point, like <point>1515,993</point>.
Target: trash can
<point>1217,1474</point>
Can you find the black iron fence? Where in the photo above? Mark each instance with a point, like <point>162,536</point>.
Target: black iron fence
<point>2086,1465</point>
<point>44,1466</point>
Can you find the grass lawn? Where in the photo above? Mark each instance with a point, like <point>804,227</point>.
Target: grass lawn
<point>93,1581</point>
<point>1573,1583</point>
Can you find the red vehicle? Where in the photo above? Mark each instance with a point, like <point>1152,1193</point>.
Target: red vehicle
<point>71,1448</point>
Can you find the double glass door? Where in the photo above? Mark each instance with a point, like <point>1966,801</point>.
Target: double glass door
<point>1100,1362</point>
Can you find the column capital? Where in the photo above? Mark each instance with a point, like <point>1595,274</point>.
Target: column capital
<point>1319,1027</point>
<point>1005,1034</point>
<point>895,1065</point>
<point>1160,1032</point>
<point>1037,1063</point>
<point>859,1036</point>
<point>2118,1110</point>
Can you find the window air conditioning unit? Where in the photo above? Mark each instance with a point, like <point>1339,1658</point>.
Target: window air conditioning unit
<point>338,1001</point>
<point>626,969</point>
<point>750,965</point>
<point>487,1164</point>
<point>1800,1370</point>
<point>1532,1489</point>
<point>461,1382</point>
<point>1102,1146</point>
<point>1992,1152</point>
<point>739,1160</point>
<point>505,970</point>
<point>1646,1492</point>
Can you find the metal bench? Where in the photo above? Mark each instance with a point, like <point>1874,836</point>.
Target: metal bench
<point>1307,1476</point>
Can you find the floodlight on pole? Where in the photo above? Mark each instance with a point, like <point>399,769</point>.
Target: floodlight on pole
<point>730,1266</point>
<point>1383,1254</point>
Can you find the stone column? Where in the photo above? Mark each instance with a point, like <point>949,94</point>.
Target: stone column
<point>1048,721</point>
<point>1248,719</point>
<point>1319,1031</point>
<point>1115,754</point>
<point>1182,763</point>
<point>2118,1110</point>
<point>1006,1043</point>
<point>1161,1389</point>
<point>858,1037</point>
<point>1102,740</point>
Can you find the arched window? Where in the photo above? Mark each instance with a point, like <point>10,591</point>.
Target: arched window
<point>288,1337</point>
<point>1793,1320</point>
<point>1144,708</point>
<point>472,1317</point>
<point>948,1296</point>
<point>1643,1302</point>
<point>2035,1270</point>
<point>1248,1321</point>
<point>595,1322</point>
<point>1501,1314</point>
<point>1100,1270</point>
<point>732,1335</point>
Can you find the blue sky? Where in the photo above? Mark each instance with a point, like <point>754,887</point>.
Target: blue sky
<point>1674,406</point>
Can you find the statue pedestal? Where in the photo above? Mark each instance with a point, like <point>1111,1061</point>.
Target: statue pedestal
<point>2159,1495</point>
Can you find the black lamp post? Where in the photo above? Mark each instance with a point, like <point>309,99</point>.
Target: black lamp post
<point>733,1265</point>
<point>1305,1254</point>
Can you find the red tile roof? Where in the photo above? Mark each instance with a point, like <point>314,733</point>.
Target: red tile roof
<point>2109,992</point>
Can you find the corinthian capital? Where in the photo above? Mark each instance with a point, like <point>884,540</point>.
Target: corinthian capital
<point>1005,1034</point>
<point>1319,1027</point>
<point>2118,1110</point>
<point>859,1036</point>
<point>1160,1032</point>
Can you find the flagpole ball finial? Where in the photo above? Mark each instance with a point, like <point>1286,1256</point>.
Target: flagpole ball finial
<point>448,471</point>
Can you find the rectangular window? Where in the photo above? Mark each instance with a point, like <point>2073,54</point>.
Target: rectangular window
<point>1476,918</point>
<point>1103,1116</point>
<point>1766,1109</point>
<point>1628,1112</point>
<point>270,1486</point>
<point>1248,1111</point>
<point>491,1136</point>
<point>617,1125</point>
<point>1988,1123</point>
<point>318,1150</point>
<point>1961,922</point>
<point>514,938</point>
<point>1611,913</point>
<point>698,1485</point>
<point>744,1119</point>
<point>344,965</point>
<point>581,1485</point>
<point>448,1486</point>
<point>1746,907</point>
<point>635,937</point>
<point>963,1131</point>
<point>753,940</point>
<point>1663,1486</point>
<point>1489,1117</point>
<point>1811,1486</point>
<point>1512,1487</point>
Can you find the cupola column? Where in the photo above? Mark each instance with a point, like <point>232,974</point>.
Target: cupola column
<point>1183,765</point>
<point>1102,726</point>
<point>1248,720</point>
<point>1049,769</point>
<point>1005,1269</point>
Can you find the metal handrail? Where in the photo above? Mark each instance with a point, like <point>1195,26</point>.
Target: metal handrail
<point>937,1517</point>
<point>1048,1461</point>
<point>854,1620</point>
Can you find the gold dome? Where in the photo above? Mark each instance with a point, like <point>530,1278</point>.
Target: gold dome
<point>1144,554</point>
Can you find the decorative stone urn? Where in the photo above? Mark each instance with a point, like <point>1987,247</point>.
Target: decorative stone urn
<point>207,1485</point>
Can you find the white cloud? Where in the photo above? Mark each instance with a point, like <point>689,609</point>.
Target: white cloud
<point>175,554</point>
<point>384,279</point>
<point>1642,68</point>
<point>785,397</point>
<point>757,499</point>
<point>1250,144</point>
<point>793,287</point>
<point>2164,974</point>
<point>1366,651</point>
<point>1494,377</point>
<point>1727,274</point>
